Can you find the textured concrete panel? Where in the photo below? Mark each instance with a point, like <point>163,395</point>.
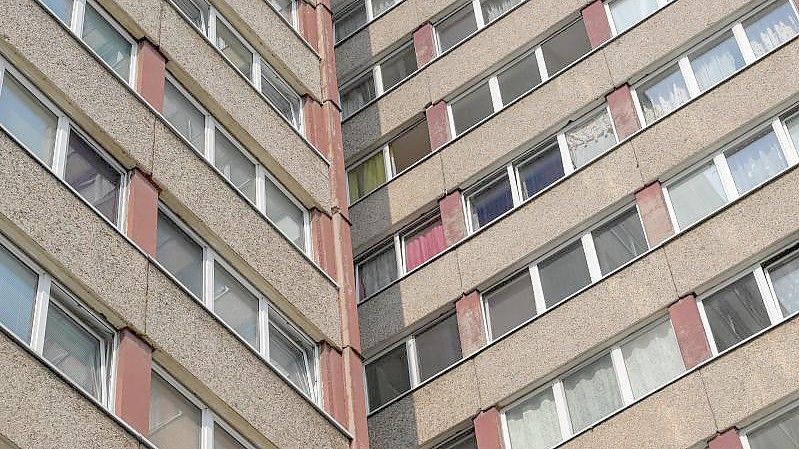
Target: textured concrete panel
<point>42,208</point>
<point>413,192</point>
<point>236,104</point>
<point>736,104</point>
<point>676,417</point>
<point>245,234</point>
<point>753,377</point>
<point>424,414</point>
<point>30,418</point>
<point>225,373</point>
<point>745,232</point>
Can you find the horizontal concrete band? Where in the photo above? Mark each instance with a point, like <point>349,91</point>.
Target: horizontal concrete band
<point>658,152</point>
<point>130,132</point>
<point>119,282</point>
<point>457,164</point>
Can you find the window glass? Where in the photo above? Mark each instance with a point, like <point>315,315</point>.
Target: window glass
<point>566,47</point>
<point>380,6</point>
<point>71,348</point>
<point>27,119</point>
<point>356,95</point>
<point>771,28</point>
<point>174,421</point>
<point>287,216</point>
<point>619,241</point>
<point>398,67</point>
<point>284,8</point>
<point>652,359</point>
<point>388,377</point>
<point>592,393</point>
<point>184,116</point>
<point>234,165</point>
<point>468,442</point>
<point>591,138</point>
<point>423,244</point>
<point>510,305</point>
<point>107,42</point>
<point>367,176</point>
<point>564,273</point>
<point>716,61</point>
<point>785,280</point>
<point>626,13</point>
<point>438,347</point>
<point>490,203</point>
<point>236,305</point>
<point>663,94</point>
<point>472,108</point>
<point>519,78</point>
<point>410,147</point>
<point>17,295</point>
<point>377,272</point>
<point>697,195</point>
<point>281,96</point>
<point>180,255</point>
<point>224,440</point>
<point>736,312</point>
<point>234,49</point>
<point>541,171</point>
<point>196,10</point>
<point>793,129</point>
<point>456,28</point>
<point>61,8</point>
<point>534,424</point>
<point>288,353</point>
<point>495,8</point>
<point>351,20</point>
<point>756,162</point>
<point>780,433</point>
<point>93,177</point>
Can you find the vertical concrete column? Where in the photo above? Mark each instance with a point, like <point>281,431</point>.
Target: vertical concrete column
<point>438,125</point>
<point>315,123</point>
<point>332,373</point>
<point>424,43</point>
<point>727,440</point>
<point>142,212</point>
<point>689,331</point>
<point>134,362</point>
<point>654,213</point>
<point>470,323</point>
<point>151,74</point>
<point>622,110</point>
<point>488,430</point>
<point>451,209</point>
<point>324,249</point>
<point>596,23</point>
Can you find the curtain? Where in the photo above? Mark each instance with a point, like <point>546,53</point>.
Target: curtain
<point>367,177</point>
<point>174,420</point>
<point>718,63</point>
<point>387,377</point>
<point>101,37</point>
<point>95,180</point>
<point>377,272</point>
<point>491,203</point>
<point>757,162</point>
<point>663,96</point>
<point>592,393</point>
<point>736,312</point>
<point>785,279</point>
<point>424,244</point>
<point>27,119</point>
<point>783,433</point>
<point>236,305</point>
<point>234,165</point>
<point>17,293</point>
<point>495,8</point>
<point>564,273</point>
<point>534,424</point>
<point>772,29</point>
<point>697,195</point>
<point>542,171</point>
<point>619,241</point>
<point>653,359</point>
<point>591,139</point>
<point>627,13</point>
<point>357,96</point>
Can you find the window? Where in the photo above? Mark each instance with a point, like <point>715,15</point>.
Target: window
<point>56,327</point>
<point>566,47</point>
<point>286,214</point>
<point>488,203</point>
<point>414,361</point>
<point>357,95</point>
<point>756,162</point>
<point>34,123</point>
<point>627,13</point>
<point>350,20</point>
<point>236,305</point>
<point>410,147</point>
<point>376,272</point>
<point>543,169</point>
<point>519,78</point>
<point>366,177</point>
<point>461,442</point>
<point>381,6</point>
<point>187,118</point>
<point>591,138</point>
<point>285,8</point>
<point>772,27</point>
<point>564,273</point>
<point>663,94</point>
<point>778,432</point>
<point>456,28</point>
<point>179,254</point>
<point>784,277</point>
<point>234,165</point>
<point>423,243</point>
<point>197,11</point>
<point>235,50</point>
<point>716,61</point>
<point>510,305</point>
<point>619,241</point>
<point>697,195</point>
<point>283,98</point>
<point>617,378</point>
<point>471,108</point>
<point>735,312</point>
<point>291,352</point>
<point>398,67</point>
<point>492,9</point>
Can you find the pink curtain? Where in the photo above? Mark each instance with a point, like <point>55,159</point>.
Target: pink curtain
<point>424,244</point>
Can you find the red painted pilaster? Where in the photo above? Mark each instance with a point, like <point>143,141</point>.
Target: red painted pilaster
<point>470,323</point>
<point>654,213</point>
<point>438,125</point>
<point>451,209</point>
<point>424,44</point>
<point>324,18</point>
<point>324,248</point>
<point>689,331</point>
<point>143,212</point>
<point>623,112</point>
<point>309,27</point>
<point>332,373</point>
<point>596,23</point>
<point>727,440</point>
<point>488,430</point>
<point>315,124</point>
<point>353,366</point>
<point>151,75</point>
<point>134,362</point>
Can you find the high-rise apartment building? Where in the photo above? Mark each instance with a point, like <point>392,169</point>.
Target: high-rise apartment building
<point>399,224</point>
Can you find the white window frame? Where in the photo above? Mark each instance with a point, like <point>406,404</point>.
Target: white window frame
<point>295,21</point>
<point>614,30</point>
<point>793,407</point>
<point>306,215</point>
<point>61,148</point>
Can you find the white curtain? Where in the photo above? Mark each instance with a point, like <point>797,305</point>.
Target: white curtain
<point>785,279</point>
<point>757,162</point>
<point>592,393</point>
<point>619,241</point>
<point>653,359</point>
<point>494,8</point>
<point>664,96</point>
<point>534,424</point>
<point>717,64</point>
<point>357,96</point>
<point>772,29</point>
<point>17,291</point>
<point>288,357</point>
<point>627,13</point>
<point>591,139</point>
<point>101,37</point>
<point>697,195</point>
